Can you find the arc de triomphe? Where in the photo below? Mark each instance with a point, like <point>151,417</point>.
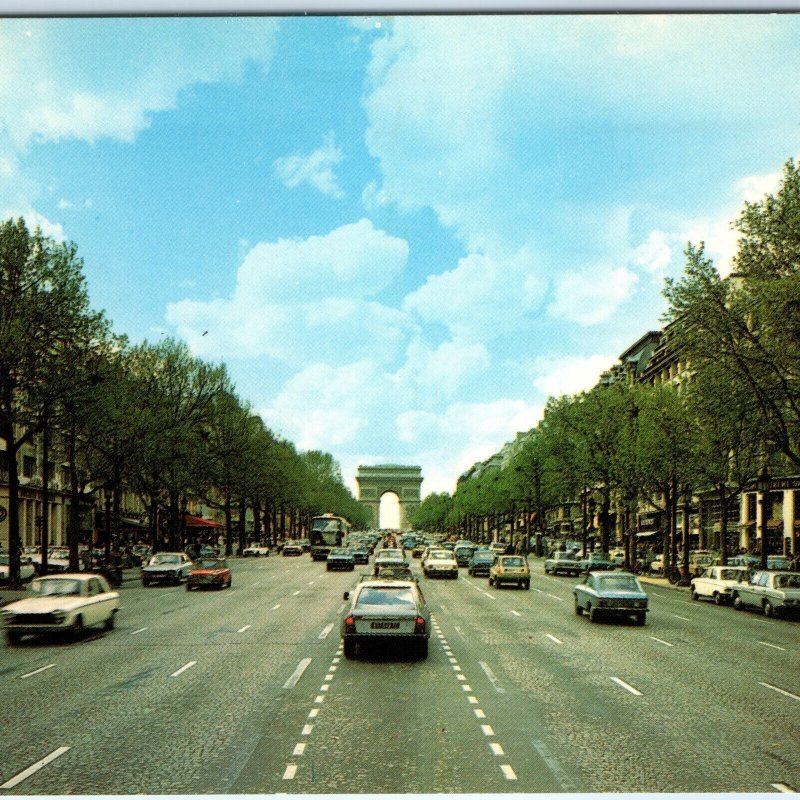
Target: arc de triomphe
<point>374,482</point>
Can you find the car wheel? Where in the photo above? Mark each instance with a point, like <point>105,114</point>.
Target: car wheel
<point>592,613</point>
<point>769,609</point>
<point>422,649</point>
<point>695,596</point>
<point>578,609</point>
<point>188,587</point>
<point>737,603</point>
<point>718,599</point>
<point>13,637</point>
<point>640,617</point>
<point>349,649</point>
<point>491,582</point>
<point>527,585</point>
<point>109,623</point>
<point>145,582</point>
<point>77,628</point>
<point>230,581</point>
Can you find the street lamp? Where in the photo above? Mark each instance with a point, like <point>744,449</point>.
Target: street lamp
<point>763,483</point>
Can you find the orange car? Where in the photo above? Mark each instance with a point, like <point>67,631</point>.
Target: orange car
<point>209,572</point>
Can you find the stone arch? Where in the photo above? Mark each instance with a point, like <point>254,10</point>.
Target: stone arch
<point>374,482</point>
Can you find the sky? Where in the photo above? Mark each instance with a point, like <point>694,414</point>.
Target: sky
<point>401,234</point>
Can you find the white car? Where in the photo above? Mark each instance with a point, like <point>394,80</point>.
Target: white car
<point>775,593</point>
<point>718,583</point>
<point>69,602</point>
<point>389,557</point>
<point>255,550</point>
<point>169,567</point>
<point>26,569</point>
<point>440,562</point>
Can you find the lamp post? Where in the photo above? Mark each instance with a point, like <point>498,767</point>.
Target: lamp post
<point>763,483</point>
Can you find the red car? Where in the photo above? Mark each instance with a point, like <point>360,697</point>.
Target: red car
<point>206,572</point>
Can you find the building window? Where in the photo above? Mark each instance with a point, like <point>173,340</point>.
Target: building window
<point>28,466</point>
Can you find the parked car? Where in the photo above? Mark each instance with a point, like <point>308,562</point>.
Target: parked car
<point>698,561</point>
<point>70,602</point>
<point>562,561</point>
<point>778,562</point>
<point>388,556</point>
<point>617,555</point>
<point>305,544</point>
<point>57,560</point>
<point>291,548</point>
<point>340,558</point>
<point>209,572</point>
<point>255,550</point>
<point>718,583</point>
<point>463,553</point>
<point>748,561</point>
<point>480,563</point>
<point>657,564</point>
<point>166,567</point>
<point>775,593</point>
<point>26,569</point>
<point>510,569</point>
<point>611,594</point>
<point>381,611</point>
<point>596,561</point>
<point>440,563</point>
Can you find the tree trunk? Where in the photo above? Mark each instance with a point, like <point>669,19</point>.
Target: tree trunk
<point>242,532</point>
<point>14,554</point>
<point>154,532</point>
<point>45,493</point>
<point>723,524</point>
<point>228,527</point>
<point>74,500</point>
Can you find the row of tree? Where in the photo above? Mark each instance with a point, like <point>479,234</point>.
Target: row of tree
<point>150,418</point>
<point>625,446</point>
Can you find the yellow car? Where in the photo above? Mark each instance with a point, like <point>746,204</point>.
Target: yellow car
<point>510,569</point>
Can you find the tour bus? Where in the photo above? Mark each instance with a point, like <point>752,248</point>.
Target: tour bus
<point>327,531</point>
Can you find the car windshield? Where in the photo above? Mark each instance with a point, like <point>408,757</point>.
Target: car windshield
<point>390,553</point>
<point>56,586</point>
<point>386,596</point>
<point>483,557</point>
<point>441,554</point>
<point>618,583</point>
<point>515,561</point>
<point>209,563</point>
<point>729,574</point>
<point>165,558</point>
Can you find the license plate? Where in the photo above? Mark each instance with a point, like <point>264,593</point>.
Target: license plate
<point>386,625</point>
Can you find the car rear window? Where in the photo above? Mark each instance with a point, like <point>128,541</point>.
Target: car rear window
<point>618,583</point>
<point>512,562</point>
<point>386,596</point>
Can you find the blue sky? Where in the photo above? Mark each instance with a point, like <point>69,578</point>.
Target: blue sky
<point>400,234</point>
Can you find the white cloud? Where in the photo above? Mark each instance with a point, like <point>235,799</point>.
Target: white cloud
<point>303,301</point>
<point>443,370</point>
<point>655,253</point>
<point>569,375</point>
<point>316,168</point>
<point>592,295</point>
<point>753,187</point>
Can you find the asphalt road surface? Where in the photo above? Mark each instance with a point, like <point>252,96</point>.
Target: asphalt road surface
<point>247,691</point>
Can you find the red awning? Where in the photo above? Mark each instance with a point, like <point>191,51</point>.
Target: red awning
<point>200,522</point>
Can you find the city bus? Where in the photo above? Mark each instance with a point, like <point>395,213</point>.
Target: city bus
<point>327,531</point>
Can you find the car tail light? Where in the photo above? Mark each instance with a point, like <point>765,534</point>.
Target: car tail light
<point>420,626</point>
<point>350,624</point>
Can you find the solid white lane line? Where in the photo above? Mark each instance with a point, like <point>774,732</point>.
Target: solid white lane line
<point>767,644</point>
<point>299,749</point>
<point>516,613</point>
<point>555,597</point>
<point>685,619</point>
<point>496,749</point>
<point>242,630</point>
<point>487,730</point>
<point>492,677</point>
<point>553,638</point>
<point>508,772</point>
<point>784,787</point>
<point>627,687</point>
<point>661,641</point>
<point>26,773</point>
<point>291,771</point>
<point>307,730</point>
<point>183,669</point>
<point>782,691</point>
<point>325,631</point>
<point>37,671</point>
<point>297,674</point>
<point>479,713</point>
<point>313,713</point>
<point>141,630</point>
<point>275,608</point>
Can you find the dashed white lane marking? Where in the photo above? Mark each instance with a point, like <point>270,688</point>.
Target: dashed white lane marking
<point>496,749</point>
<point>307,730</point>
<point>508,772</point>
<point>782,691</point>
<point>320,698</point>
<point>183,669</point>
<point>333,667</point>
<point>490,596</point>
<point>516,613</point>
<point>627,687</point>
<point>685,619</point>
<point>26,773</point>
<point>37,671</point>
<point>299,749</point>
<point>297,674</point>
<point>141,630</point>
<point>488,730</point>
<point>767,644</point>
<point>275,608</point>
<point>311,583</point>
<point>325,631</point>
<point>335,661</point>
<point>553,638</point>
<point>492,677</point>
<point>473,700</point>
<point>540,591</point>
<point>555,597</point>
<point>324,687</point>
<point>658,594</point>
<point>313,713</point>
<point>453,660</point>
<point>479,713</point>
<point>661,641</point>
<point>291,771</point>
<point>294,594</point>
<point>460,633</point>
<point>242,630</point>
<point>456,668</point>
<point>329,677</point>
<point>466,688</point>
<point>784,787</point>
<point>342,607</point>
<point>461,677</point>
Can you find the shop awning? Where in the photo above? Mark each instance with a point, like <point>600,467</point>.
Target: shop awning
<point>645,534</point>
<point>133,523</point>
<point>201,522</point>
